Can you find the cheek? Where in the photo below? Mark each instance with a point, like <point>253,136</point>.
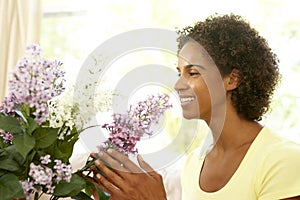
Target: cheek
<point>201,91</point>
<point>199,87</point>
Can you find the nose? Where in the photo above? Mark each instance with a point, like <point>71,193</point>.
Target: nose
<point>181,84</point>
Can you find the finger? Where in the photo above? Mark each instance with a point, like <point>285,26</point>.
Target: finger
<point>95,194</point>
<point>110,175</point>
<point>113,163</point>
<point>110,187</point>
<point>96,183</point>
<point>94,155</point>
<point>145,166</point>
<point>121,158</point>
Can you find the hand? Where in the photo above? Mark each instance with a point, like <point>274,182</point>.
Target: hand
<point>127,181</point>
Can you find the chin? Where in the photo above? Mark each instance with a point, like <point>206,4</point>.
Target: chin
<point>190,116</point>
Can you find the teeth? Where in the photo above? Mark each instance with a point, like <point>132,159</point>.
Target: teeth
<point>187,99</point>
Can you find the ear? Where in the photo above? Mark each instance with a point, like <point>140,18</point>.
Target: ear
<point>232,80</point>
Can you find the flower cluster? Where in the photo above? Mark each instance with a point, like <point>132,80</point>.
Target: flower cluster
<point>34,81</point>
<point>44,176</point>
<point>127,129</point>
<point>68,111</point>
<point>7,137</point>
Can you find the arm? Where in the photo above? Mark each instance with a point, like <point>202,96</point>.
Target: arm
<point>125,180</point>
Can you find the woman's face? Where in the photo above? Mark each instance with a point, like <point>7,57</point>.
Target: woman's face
<point>196,85</point>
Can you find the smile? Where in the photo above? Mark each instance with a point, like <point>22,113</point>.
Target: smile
<point>186,99</point>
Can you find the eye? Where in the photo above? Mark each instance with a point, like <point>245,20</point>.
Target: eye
<point>178,71</point>
<point>194,74</point>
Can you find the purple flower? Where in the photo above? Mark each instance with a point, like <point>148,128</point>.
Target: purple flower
<point>62,171</point>
<point>45,159</point>
<point>42,177</point>
<point>7,137</point>
<point>28,187</point>
<point>34,81</point>
<point>127,129</point>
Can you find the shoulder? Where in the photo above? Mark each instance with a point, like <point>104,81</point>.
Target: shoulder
<point>284,155</point>
<point>278,175</point>
<point>279,149</point>
<point>192,166</point>
<point>193,159</point>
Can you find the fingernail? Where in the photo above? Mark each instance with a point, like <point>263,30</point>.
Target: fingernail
<point>98,176</point>
<point>140,158</point>
<point>109,151</point>
<point>94,155</point>
<point>97,162</point>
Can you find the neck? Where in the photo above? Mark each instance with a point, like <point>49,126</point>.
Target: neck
<point>234,132</point>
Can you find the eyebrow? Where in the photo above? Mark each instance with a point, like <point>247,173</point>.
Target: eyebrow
<point>192,65</point>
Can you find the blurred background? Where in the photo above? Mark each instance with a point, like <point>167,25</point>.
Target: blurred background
<point>71,29</point>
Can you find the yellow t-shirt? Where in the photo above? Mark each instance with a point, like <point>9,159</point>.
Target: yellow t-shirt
<point>270,170</point>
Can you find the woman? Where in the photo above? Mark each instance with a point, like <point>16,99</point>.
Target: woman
<point>227,78</point>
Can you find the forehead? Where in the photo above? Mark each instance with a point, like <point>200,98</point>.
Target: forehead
<point>194,53</point>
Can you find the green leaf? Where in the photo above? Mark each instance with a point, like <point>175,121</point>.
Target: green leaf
<point>9,165</point>
<point>55,153</point>
<point>24,143</point>
<point>10,124</point>
<point>2,172</point>
<point>67,147</point>
<point>64,189</point>
<point>89,188</point>
<point>32,125</point>
<point>81,196</point>
<point>2,144</point>
<point>102,195</point>
<point>11,160</point>
<point>10,187</point>
<point>62,150</point>
<point>45,137</point>
<point>28,160</point>
<point>25,109</point>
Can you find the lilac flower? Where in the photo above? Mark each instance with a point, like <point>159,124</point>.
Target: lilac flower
<point>62,171</point>
<point>8,104</point>
<point>7,137</point>
<point>41,175</point>
<point>28,187</point>
<point>127,129</point>
<point>44,177</point>
<point>34,81</point>
<point>45,159</point>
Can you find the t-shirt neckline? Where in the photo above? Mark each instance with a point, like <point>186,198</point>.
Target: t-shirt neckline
<point>240,168</point>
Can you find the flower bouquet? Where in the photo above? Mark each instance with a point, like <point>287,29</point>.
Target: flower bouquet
<point>38,132</point>
<point>34,151</point>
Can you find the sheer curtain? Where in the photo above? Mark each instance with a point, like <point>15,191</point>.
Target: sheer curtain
<point>20,23</point>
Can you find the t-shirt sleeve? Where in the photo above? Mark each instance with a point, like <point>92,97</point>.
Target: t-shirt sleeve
<point>279,175</point>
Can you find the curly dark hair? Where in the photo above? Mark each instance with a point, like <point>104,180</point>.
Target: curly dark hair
<point>233,44</point>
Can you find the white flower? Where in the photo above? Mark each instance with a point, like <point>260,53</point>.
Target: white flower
<point>68,111</point>
<point>45,159</point>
